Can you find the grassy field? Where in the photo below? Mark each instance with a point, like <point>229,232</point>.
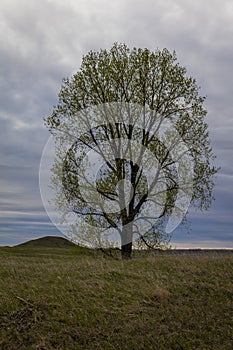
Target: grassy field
<point>54,298</point>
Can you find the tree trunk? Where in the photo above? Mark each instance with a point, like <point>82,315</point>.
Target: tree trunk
<point>126,250</point>
<point>126,242</point>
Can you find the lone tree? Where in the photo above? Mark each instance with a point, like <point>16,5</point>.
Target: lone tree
<point>140,113</point>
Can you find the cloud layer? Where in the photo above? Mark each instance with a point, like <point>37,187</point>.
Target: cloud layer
<point>44,41</point>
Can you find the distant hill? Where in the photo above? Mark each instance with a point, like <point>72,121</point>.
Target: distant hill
<point>48,241</point>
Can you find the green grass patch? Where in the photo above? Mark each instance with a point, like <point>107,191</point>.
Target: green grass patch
<point>55,298</point>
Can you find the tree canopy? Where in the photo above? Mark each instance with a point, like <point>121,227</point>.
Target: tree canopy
<point>133,146</point>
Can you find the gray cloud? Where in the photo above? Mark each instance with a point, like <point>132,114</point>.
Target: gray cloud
<point>43,41</point>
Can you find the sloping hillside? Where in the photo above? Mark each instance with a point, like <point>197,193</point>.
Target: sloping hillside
<point>48,241</point>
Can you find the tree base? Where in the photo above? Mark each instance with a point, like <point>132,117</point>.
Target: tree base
<point>126,251</point>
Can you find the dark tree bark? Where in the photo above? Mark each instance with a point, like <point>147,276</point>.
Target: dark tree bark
<point>126,241</point>
<point>126,251</point>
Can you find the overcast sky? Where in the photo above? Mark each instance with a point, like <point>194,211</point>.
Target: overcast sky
<point>44,41</point>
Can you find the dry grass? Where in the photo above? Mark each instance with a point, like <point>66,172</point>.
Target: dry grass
<point>64,299</point>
